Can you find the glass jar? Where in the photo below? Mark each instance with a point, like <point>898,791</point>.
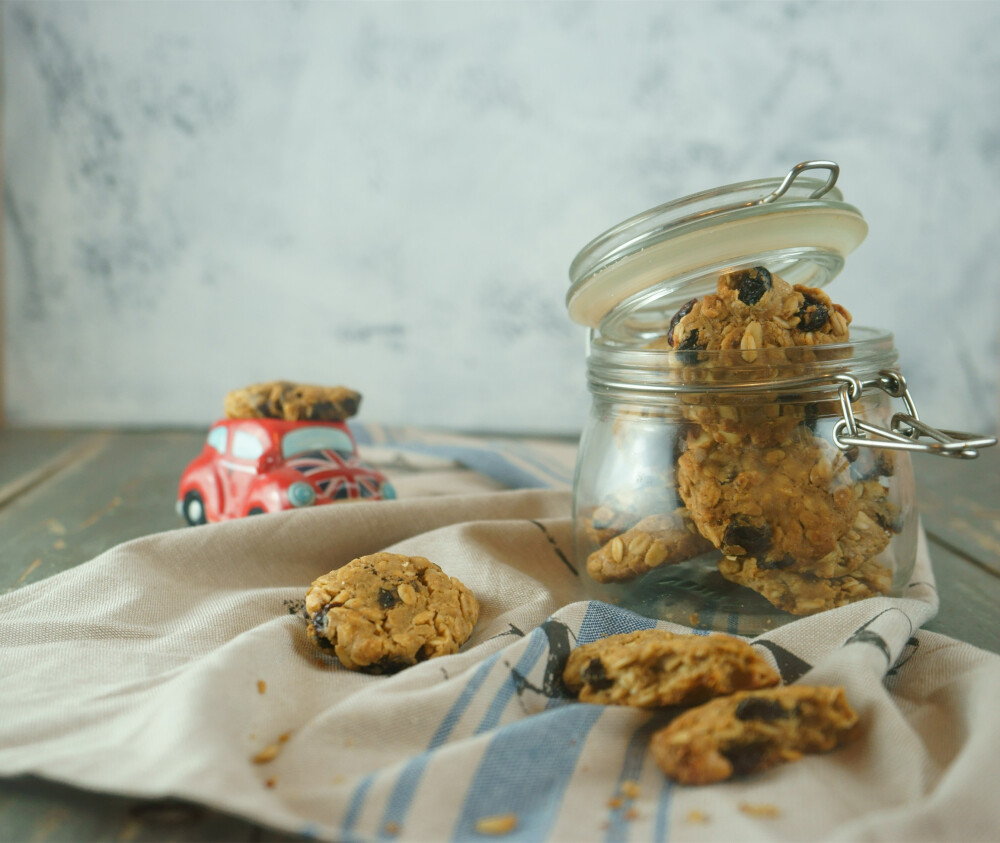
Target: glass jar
<point>738,489</point>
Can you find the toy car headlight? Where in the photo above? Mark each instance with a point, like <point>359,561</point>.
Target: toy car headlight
<point>388,491</point>
<point>301,494</point>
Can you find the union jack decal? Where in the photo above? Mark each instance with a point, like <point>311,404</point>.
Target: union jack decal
<point>335,476</point>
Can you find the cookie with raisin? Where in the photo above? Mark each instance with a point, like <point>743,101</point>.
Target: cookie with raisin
<point>652,668</point>
<point>753,731</point>
<point>385,612</point>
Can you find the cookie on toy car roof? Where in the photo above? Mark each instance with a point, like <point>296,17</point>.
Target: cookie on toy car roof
<point>292,402</point>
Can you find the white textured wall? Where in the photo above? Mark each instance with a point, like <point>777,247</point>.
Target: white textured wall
<point>200,195</point>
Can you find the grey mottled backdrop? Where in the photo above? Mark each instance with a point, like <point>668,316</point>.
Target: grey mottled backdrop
<point>388,195</point>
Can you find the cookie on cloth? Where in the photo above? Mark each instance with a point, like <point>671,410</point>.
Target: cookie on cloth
<point>292,402</point>
<point>653,668</point>
<point>385,612</point>
<point>752,731</point>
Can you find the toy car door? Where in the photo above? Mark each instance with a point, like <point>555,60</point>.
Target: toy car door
<point>240,466</point>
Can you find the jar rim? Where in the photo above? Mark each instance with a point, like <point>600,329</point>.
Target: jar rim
<point>618,367</point>
<point>800,227</point>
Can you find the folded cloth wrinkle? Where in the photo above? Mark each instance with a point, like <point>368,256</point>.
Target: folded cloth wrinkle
<point>166,665</point>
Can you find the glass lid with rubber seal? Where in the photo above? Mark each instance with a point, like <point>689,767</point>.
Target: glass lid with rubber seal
<point>627,283</point>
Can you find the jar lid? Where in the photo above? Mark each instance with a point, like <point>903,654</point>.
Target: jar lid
<point>628,282</point>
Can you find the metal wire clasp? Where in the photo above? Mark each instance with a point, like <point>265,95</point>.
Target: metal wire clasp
<point>794,173</point>
<point>908,433</point>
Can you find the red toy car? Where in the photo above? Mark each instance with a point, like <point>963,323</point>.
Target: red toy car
<point>250,466</point>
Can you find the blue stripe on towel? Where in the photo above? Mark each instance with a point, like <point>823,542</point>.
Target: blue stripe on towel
<point>600,619</point>
<point>402,795</point>
<point>537,643</point>
<point>635,755</point>
<point>526,771</point>
<point>661,828</point>
<point>733,624</point>
<point>603,619</point>
<point>529,763</point>
<point>635,759</point>
<point>487,459</point>
<point>357,803</point>
<point>546,466</point>
<point>409,779</point>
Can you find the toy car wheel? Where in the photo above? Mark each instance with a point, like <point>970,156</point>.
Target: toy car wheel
<point>194,509</point>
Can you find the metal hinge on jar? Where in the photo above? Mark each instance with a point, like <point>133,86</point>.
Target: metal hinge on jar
<point>908,432</point>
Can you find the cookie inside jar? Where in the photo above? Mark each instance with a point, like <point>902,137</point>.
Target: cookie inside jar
<point>712,489</point>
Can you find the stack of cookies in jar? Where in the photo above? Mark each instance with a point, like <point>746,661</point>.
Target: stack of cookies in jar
<point>796,518</point>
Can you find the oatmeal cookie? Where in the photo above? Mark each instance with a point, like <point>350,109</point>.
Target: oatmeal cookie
<point>757,425</point>
<point>786,506</point>
<point>654,541</point>
<point>625,507</point>
<point>753,309</point>
<point>873,499</point>
<point>653,668</point>
<point>803,593</point>
<point>752,731</point>
<point>292,402</point>
<point>384,612</point>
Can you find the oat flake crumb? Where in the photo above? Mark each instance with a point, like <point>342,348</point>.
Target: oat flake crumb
<point>762,809</point>
<point>498,824</point>
<point>630,789</point>
<point>694,619</point>
<point>392,828</point>
<point>271,782</point>
<point>267,754</point>
<point>261,686</point>
<point>697,817</point>
<point>631,814</point>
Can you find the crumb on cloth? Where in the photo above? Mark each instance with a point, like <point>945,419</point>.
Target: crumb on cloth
<point>497,824</point>
<point>630,789</point>
<point>267,754</point>
<point>270,752</point>
<point>762,809</point>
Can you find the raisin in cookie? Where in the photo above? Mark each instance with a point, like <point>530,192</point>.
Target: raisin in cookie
<point>384,612</point>
<point>785,506</point>
<point>292,402</point>
<point>653,668</point>
<point>752,731</point>
<point>753,309</point>
<point>654,541</point>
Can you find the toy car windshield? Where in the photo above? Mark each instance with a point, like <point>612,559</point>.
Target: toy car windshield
<point>316,439</point>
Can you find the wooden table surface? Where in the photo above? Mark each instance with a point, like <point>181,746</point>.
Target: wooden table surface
<point>67,496</point>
